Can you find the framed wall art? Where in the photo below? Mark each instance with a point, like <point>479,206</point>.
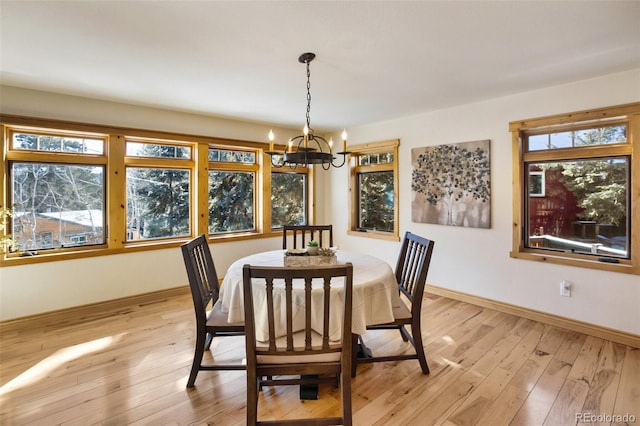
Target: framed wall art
<point>451,184</point>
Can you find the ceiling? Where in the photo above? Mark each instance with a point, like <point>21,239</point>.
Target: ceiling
<point>376,60</point>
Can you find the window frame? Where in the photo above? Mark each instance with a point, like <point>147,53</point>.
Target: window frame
<point>159,163</point>
<point>355,169</point>
<point>628,114</point>
<point>14,155</point>
<point>115,161</point>
<point>226,166</point>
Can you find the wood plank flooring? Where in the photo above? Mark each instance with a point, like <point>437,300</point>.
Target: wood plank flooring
<point>130,366</point>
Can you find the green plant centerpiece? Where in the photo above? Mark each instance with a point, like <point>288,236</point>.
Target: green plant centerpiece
<point>323,251</point>
<point>312,248</point>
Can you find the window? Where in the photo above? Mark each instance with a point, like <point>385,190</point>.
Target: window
<point>158,194</point>
<point>373,188</point>
<point>81,190</point>
<point>288,199</point>
<point>57,189</point>
<point>232,183</point>
<point>576,206</point>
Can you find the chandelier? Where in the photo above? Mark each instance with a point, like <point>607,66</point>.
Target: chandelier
<point>308,148</point>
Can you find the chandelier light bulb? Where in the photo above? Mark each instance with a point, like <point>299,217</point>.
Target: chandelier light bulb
<point>271,138</point>
<point>344,140</point>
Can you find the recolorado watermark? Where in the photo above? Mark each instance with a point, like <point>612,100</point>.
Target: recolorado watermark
<point>605,418</point>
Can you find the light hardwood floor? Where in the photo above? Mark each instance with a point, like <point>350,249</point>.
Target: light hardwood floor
<point>130,366</point>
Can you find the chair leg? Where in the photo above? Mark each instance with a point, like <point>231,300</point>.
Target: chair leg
<point>345,393</point>
<point>404,333</point>
<point>419,347</point>
<point>252,397</point>
<point>208,340</point>
<point>354,354</point>
<point>197,359</point>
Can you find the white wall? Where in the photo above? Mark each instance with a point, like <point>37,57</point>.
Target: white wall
<point>31,289</point>
<point>473,261</point>
<point>476,261</point>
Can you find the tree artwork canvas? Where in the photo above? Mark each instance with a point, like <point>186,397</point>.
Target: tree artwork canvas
<point>451,185</point>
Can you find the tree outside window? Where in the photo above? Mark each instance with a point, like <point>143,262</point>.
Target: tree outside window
<point>231,201</point>
<point>288,199</point>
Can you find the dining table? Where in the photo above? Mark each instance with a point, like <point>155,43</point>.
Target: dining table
<point>375,292</point>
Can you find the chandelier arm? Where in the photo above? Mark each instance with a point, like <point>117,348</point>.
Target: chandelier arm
<point>344,159</point>
<point>276,164</point>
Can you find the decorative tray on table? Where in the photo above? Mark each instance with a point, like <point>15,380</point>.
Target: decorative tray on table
<point>300,257</point>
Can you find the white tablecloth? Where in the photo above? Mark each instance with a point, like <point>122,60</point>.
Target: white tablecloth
<point>375,292</point>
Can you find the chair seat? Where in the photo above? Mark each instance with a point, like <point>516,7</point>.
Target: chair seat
<point>217,318</point>
<point>401,315</point>
<point>401,312</point>
<point>298,344</point>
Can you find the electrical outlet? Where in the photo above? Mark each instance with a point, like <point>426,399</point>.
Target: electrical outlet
<point>565,288</point>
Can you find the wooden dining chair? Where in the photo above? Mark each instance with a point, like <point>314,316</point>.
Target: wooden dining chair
<point>302,234</point>
<point>411,274</point>
<point>210,320</point>
<point>308,355</point>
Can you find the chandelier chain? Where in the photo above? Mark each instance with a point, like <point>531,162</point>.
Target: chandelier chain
<point>308,97</point>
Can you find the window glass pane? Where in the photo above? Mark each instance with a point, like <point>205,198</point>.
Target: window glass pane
<point>231,156</point>
<point>231,201</point>
<point>561,140</point>
<point>35,142</point>
<point>376,201</point>
<point>57,205</point>
<point>157,203</point>
<point>138,149</point>
<point>570,139</point>
<point>288,199</point>
<point>582,206</point>
<point>378,158</point>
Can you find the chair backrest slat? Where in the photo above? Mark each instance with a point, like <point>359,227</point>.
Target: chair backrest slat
<point>412,267</point>
<point>289,312</point>
<point>271,322</point>
<point>307,313</point>
<point>326,313</point>
<point>323,234</point>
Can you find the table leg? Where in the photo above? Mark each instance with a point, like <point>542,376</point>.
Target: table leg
<point>309,392</point>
